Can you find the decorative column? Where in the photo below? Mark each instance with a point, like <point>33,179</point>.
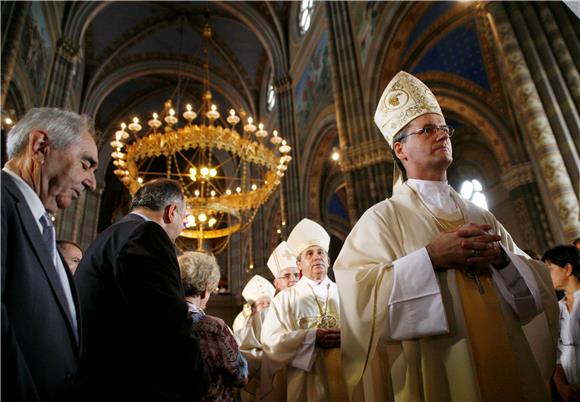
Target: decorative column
<point>534,228</point>
<point>363,152</point>
<point>528,105</point>
<point>292,183</point>
<point>561,51</point>
<point>13,20</point>
<point>62,74</point>
<point>553,90</point>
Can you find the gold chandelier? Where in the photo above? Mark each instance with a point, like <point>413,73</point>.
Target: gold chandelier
<point>226,175</point>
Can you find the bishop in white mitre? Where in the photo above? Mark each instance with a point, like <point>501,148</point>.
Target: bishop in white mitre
<point>437,301</point>
<point>282,264</point>
<point>301,332</point>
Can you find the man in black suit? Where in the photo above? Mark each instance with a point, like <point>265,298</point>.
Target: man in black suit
<point>138,344</point>
<point>52,160</point>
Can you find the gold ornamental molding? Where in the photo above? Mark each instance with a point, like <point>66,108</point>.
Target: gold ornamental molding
<point>517,176</point>
<point>364,155</point>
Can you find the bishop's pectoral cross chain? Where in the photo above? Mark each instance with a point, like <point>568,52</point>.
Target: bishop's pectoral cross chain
<point>472,274</point>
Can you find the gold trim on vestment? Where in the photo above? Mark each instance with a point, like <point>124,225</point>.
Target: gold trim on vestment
<point>493,356</point>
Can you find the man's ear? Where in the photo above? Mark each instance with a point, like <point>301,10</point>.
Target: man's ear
<point>203,294</point>
<point>38,145</point>
<point>569,269</point>
<point>399,151</point>
<point>169,213</point>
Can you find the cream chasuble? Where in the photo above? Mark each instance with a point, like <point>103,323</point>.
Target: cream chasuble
<point>248,338</point>
<point>288,335</point>
<point>420,337</point>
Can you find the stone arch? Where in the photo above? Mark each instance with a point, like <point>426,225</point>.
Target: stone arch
<point>167,67</point>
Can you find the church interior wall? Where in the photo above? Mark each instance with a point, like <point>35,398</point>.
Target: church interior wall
<point>111,73</point>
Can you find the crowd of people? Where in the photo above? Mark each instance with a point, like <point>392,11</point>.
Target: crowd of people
<point>433,300</point>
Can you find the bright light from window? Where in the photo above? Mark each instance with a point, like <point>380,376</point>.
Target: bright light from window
<point>305,15</point>
<point>473,190</point>
<point>270,96</point>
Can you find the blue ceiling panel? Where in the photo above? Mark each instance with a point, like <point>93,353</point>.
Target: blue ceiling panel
<point>457,53</point>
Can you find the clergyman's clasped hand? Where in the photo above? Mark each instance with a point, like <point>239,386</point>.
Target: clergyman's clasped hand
<point>327,338</point>
<point>470,244</point>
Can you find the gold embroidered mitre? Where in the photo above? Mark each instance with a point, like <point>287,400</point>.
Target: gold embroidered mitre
<point>405,98</point>
<point>281,258</point>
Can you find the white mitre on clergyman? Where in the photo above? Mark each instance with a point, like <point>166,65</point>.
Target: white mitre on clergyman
<point>258,287</point>
<point>405,98</point>
<point>281,258</point>
<point>306,234</point>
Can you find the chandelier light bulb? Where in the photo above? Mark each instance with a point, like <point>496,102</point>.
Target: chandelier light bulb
<point>8,121</point>
<point>213,108</point>
<point>204,171</point>
<point>202,217</point>
<point>123,126</point>
<point>196,192</point>
<point>232,112</point>
<point>213,172</point>
<point>193,171</point>
<point>278,231</point>
<point>228,191</point>
<point>140,180</point>
<point>250,120</point>
<point>171,112</point>
<point>212,193</point>
<point>283,142</point>
<point>136,120</point>
<point>155,116</point>
<point>188,107</point>
<point>238,190</point>
<point>260,126</point>
<point>254,187</point>
<point>212,221</point>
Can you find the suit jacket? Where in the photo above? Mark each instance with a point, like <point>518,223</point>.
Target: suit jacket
<point>39,348</point>
<point>138,340</point>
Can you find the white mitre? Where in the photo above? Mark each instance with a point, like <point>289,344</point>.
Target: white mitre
<point>258,287</point>
<point>306,234</point>
<point>405,98</point>
<point>281,258</point>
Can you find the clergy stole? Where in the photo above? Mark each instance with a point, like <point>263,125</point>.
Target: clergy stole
<point>332,357</point>
<point>493,356</point>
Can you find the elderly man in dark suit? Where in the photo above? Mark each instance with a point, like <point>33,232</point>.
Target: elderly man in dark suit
<point>52,160</point>
<point>138,343</point>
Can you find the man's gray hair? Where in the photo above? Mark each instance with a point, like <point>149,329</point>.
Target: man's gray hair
<point>63,128</point>
<point>157,194</point>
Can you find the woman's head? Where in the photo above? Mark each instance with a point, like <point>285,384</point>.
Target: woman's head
<point>200,275</point>
<point>564,265</point>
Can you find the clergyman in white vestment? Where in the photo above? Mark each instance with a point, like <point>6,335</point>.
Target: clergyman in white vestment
<point>434,294</point>
<point>301,332</point>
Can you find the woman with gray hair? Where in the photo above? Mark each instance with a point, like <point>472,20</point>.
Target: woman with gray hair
<point>200,275</point>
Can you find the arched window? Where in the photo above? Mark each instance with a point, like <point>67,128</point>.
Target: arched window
<point>473,191</point>
<point>271,96</point>
<point>305,15</point>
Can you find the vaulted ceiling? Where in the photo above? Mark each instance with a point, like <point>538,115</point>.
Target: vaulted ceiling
<point>138,54</point>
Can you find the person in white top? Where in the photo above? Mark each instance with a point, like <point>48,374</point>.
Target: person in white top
<point>301,331</point>
<point>282,264</point>
<point>258,294</point>
<point>433,291</point>
<point>564,265</point>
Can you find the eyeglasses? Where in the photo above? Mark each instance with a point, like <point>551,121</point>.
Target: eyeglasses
<point>431,129</point>
<point>289,275</point>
